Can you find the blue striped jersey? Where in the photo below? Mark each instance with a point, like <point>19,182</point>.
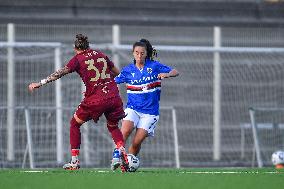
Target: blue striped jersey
<point>143,86</point>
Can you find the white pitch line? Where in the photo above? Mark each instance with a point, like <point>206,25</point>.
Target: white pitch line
<point>103,171</point>
<point>34,171</point>
<point>231,172</point>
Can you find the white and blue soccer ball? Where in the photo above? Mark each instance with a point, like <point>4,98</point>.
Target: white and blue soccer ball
<point>134,162</point>
<point>277,157</point>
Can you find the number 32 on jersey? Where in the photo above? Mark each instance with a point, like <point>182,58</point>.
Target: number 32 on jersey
<point>99,75</point>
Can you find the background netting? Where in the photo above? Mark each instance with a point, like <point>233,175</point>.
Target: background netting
<point>252,78</point>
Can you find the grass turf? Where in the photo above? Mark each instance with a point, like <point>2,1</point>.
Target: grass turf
<point>193,178</point>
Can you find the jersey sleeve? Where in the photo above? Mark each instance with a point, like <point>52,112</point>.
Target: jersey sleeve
<point>121,78</point>
<point>73,64</point>
<point>163,68</point>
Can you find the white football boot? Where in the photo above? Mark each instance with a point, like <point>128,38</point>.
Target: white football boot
<point>72,165</point>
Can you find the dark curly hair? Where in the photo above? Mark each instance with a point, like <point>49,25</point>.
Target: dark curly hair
<point>151,51</point>
<point>81,42</point>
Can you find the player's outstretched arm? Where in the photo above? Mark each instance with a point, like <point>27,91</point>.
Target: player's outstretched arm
<point>172,73</point>
<point>54,76</point>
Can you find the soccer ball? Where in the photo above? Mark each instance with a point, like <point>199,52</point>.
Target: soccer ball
<point>277,158</point>
<point>134,162</point>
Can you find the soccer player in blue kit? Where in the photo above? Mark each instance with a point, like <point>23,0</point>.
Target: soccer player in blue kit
<point>143,82</point>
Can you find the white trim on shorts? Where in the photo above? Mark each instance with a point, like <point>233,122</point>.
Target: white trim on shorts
<point>145,121</point>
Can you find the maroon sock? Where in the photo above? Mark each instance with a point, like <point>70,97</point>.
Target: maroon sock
<point>75,134</point>
<point>116,135</point>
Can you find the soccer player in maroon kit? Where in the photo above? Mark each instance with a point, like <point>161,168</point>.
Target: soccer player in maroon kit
<point>101,97</point>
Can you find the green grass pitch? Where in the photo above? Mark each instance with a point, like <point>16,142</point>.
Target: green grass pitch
<point>191,178</point>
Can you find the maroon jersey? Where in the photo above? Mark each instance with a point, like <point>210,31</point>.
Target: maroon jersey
<point>94,69</point>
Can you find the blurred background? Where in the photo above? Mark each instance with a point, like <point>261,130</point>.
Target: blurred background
<point>230,55</point>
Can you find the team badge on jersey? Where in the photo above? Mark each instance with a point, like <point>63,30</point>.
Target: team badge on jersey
<point>149,70</point>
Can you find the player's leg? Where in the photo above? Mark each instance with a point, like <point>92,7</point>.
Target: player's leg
<point>126,128</point>
<point>81,115</point>
<point>128,123</point>
<point>145,128</point>
<point>113,115</point>
<point>137,140</point>
<point>119,157</point>
<point>75,142</point>
<point>115,132</point>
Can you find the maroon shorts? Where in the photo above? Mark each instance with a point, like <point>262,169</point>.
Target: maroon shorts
<point>112,108</point>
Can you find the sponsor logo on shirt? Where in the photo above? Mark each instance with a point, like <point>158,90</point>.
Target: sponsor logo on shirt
<point>144,79</point>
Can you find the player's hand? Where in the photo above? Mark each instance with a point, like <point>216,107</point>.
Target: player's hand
<point>34,86</point>
<point>163,75</point>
